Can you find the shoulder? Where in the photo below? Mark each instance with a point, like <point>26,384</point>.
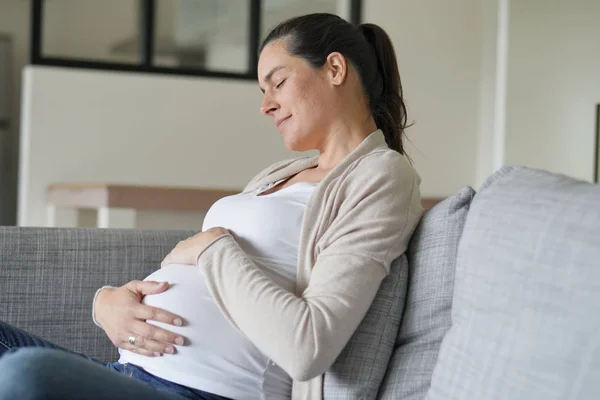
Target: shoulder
<point>385,167</point>
<point>377,198</point>
<point>381,185</point>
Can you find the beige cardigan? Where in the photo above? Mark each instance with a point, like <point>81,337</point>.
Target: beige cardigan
<point>358,220</point>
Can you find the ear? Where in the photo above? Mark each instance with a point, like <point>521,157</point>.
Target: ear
<point>337,68</point>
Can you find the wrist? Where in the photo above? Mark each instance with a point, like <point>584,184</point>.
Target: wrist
<point>217,232</point>
<point>98,298</point>
<point>102,293</point>
<point>211,244</point>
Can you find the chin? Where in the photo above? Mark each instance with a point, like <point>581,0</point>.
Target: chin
<point>296,142</point>
<point>294,145</point>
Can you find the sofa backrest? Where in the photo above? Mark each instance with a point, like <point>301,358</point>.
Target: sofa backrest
<point>526,306</point>
<point>48,277</point>
<point>426,317</point>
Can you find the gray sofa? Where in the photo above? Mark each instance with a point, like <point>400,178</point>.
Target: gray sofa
<point>498,296</point>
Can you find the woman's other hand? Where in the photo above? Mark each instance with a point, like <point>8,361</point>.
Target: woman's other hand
<point>187,251</point>
<point>122,315</point>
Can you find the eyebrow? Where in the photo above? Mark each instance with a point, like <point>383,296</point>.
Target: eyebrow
<point>270,75</point>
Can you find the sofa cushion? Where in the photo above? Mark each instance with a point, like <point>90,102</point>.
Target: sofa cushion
<point>426,318</point>
<point>526,307</point>
<point>358,371</point>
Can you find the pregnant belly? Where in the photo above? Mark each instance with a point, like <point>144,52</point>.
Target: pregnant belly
<point>189,297</point>
<point>214,348</point>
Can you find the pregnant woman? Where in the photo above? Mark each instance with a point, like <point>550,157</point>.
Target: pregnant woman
<point>261,302</point>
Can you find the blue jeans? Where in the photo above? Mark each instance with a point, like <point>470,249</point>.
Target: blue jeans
<point>33,368</point>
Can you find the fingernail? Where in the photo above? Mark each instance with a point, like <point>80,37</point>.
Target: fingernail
<point>178,321</point>
<point>169,350</point>
<point>157,354</point>
<point>179,341</point>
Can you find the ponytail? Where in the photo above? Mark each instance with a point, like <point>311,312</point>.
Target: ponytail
<point>385,98</point>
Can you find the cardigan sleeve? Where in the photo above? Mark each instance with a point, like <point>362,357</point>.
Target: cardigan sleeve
<point>305,334</point>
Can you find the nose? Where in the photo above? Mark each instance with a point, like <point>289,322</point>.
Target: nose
<point>268,105</point>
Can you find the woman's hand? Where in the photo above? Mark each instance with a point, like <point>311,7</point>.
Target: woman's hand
<point>187,251</point>
<point>121,314</point>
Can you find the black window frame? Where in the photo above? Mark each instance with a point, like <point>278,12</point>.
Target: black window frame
<point>147,29</point>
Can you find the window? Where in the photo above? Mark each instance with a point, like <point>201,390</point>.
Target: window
<point>89,30</point>
<point>192,37</point>
<point>208,35</point>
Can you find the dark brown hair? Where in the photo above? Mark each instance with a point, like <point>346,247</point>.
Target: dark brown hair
<point>368,48</point>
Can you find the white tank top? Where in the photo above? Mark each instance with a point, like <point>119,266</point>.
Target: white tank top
<point>218,358</point>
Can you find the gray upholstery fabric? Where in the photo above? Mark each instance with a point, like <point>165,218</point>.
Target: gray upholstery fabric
<point>359,370</point>
<point>48,277</point>
<point>426,319</point>
<point>526,307</point>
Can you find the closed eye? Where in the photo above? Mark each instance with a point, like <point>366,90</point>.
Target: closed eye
<point>280,83</point>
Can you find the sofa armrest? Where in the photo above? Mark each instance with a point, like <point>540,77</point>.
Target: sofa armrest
<point>48,277</point>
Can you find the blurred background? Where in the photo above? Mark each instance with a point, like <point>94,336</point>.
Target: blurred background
<point>164,93</point>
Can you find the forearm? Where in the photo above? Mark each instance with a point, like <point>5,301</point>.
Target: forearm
<point>303,335</point>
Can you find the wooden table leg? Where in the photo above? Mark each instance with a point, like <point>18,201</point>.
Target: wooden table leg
<point>51,216</point>
<point>62,216</point>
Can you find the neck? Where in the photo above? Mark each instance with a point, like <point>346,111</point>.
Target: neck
<point>341,141</point>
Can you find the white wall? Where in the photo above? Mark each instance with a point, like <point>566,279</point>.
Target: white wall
<point>90,126</point>
<point>554,85</point>
<point>438,44</point>
<point>121,127</point>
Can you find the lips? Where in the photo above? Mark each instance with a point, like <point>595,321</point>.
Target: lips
<point>281,121</point>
